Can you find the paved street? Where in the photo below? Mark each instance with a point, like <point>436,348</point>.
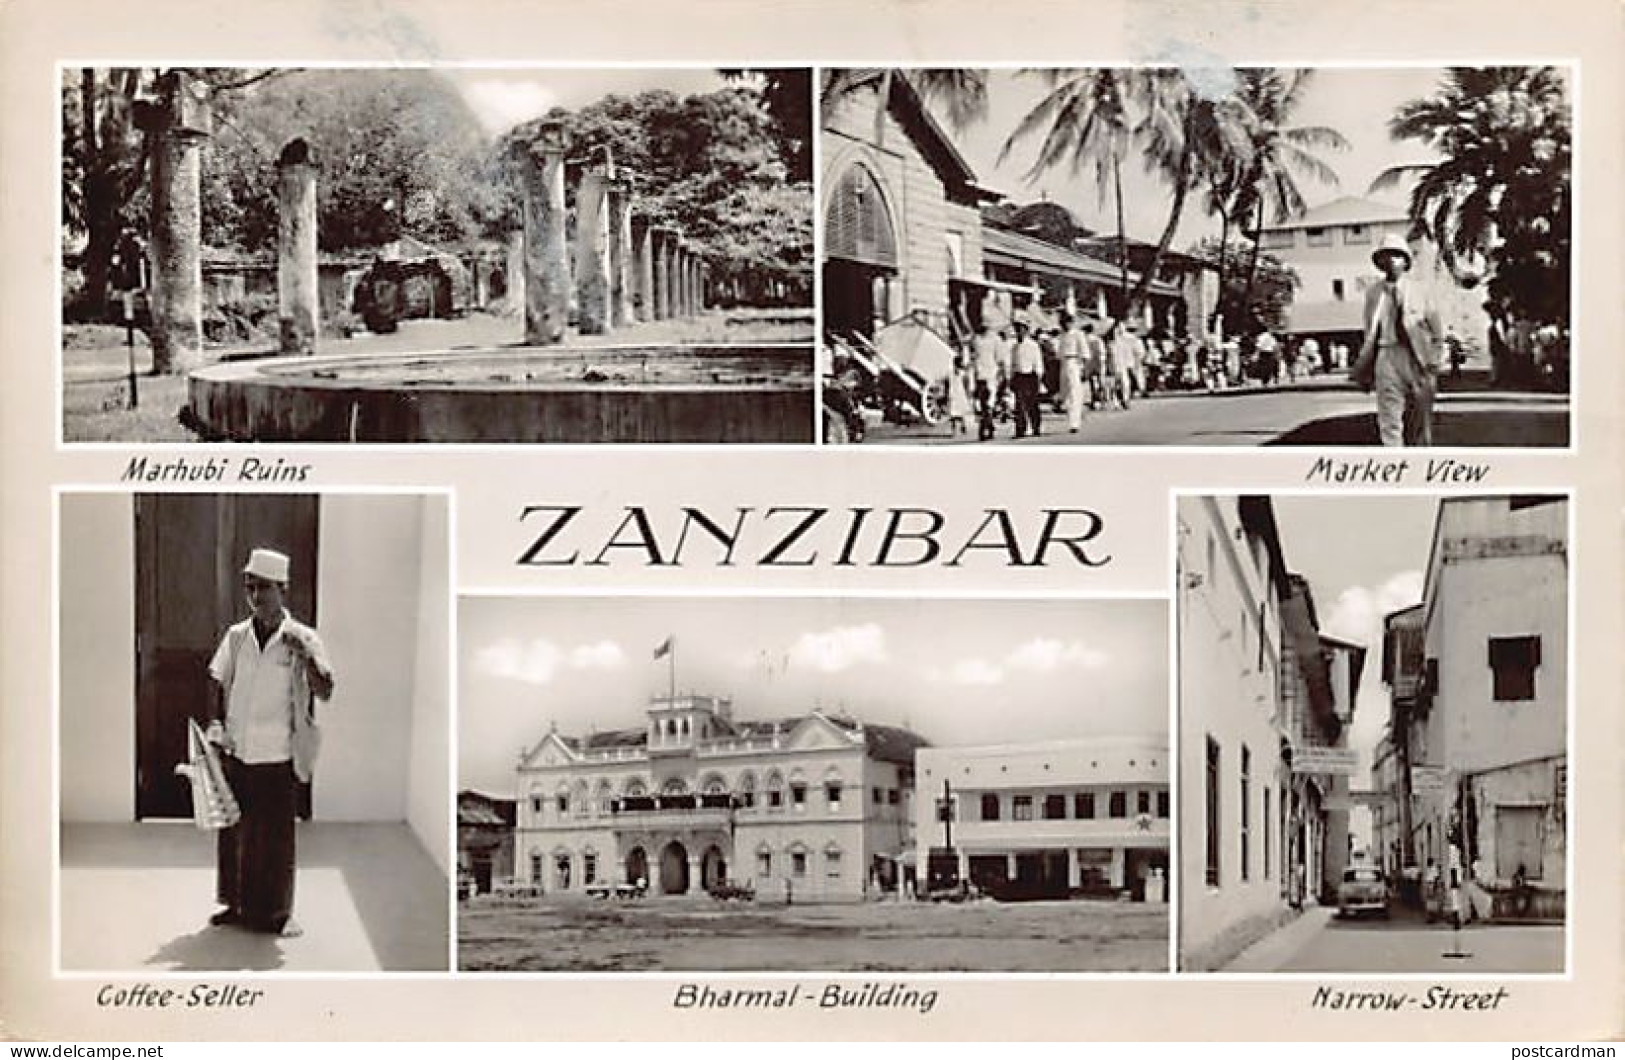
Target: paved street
<point>1319,942</point>
<point>1310,413</point>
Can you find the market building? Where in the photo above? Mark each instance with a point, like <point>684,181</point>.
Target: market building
<point>1052,819</point>
<point>1478,680</point>
<point>902,232</point>
<point>817,806</point>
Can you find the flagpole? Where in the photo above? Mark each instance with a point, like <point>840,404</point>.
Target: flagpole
<point>671,670</point>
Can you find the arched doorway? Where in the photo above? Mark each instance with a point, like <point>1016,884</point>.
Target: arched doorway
<point>674,869</point>
<point>713,867</point>
<point>637,865</point>
<point>860,252</point>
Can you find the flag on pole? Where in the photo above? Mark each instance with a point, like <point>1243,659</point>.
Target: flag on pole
<point>665,647</point>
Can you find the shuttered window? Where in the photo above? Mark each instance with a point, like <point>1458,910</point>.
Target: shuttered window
<point>858,226</point>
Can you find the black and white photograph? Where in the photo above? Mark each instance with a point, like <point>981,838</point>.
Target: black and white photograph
<point>254,732</point>
<point>812,784</point>
<point>1188,256</point>
<point>437,254</point>
<point>1373,733</point>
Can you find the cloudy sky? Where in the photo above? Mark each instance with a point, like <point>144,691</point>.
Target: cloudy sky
<point>1359,577</point>
<point>502,98</point>
<point>1356,102</point>
<point>955,671</point>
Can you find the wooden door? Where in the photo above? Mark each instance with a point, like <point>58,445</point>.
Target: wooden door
<point>190,551</point>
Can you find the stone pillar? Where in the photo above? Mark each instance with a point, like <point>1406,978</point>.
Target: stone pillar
<point>547,261</point>
<point>674,250</point>
<point>1118,867</point>
<point>1072,878</point>
<point>660,242</point>
<point>593,279</point>
<point>705,287</point>
<point>621,265</point>
<point>695,884</point>
<point>679,287</point>
<point>297,287</point>
<point>514,272</point>
<point>177,124</point>
<point>643,242</point>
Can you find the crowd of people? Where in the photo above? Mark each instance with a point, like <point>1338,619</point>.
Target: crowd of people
<point>1087,365</point>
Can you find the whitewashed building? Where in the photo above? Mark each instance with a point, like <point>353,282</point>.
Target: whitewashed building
<point>1481,696</point>
<point>817,807</point>
<point>1053,818</point>
<point>1231,581</point>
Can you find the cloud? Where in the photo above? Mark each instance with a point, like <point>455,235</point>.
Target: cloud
<point>539,661</point>
<point>502,103</point>
<point>605,655</point>
<point>1045,655</point>
<point>1357,613</point>
<point>841,648</point>
<point>975,672</point>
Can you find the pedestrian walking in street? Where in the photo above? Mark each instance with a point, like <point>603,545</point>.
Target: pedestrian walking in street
<point>1026,380</point>
<point>989,372</point>
<point>1074,352</point>
<point>959,407</point>
<point>1399,357</point>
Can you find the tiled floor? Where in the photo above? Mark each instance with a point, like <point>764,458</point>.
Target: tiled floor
<point>138,897</point>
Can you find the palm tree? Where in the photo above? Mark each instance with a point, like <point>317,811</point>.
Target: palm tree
<point>1189,132</point>
<point>961,93</point>
<point>1280,153</point>
<point>1505,141</point>
<point>1088,120</point>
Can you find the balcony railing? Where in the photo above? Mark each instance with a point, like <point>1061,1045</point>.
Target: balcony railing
<point>674,803</point>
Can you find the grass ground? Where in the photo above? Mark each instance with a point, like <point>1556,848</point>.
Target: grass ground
<point>555,934</point>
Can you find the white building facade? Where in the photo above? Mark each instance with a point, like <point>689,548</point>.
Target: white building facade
<point>815,807</point>
<point>1050,819</point>
<point>1491,728</point>
<point>1231,580</point>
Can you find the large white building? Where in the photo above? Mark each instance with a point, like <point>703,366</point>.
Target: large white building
<point>1480,696</point>
<point>817,806</point>
<point>1329,248</point>
<point>1231,580</point>
<point>1056,818</point>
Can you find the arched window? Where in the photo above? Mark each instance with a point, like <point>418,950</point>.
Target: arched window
<point>604,799</point>
<point>674,786</point>
<point>747,791</point>
<point>537,800</point>
<point>798,860</point>
<point>561,800</point>
<point>832,860</point>
<point>635,788</point>
<point>579,799</point>
<point>775,791</point>
<point>857,224</point>
<point>833,790</point>
<point>764,861</point>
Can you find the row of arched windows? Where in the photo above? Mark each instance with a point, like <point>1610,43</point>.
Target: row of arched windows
<point>774,790</point>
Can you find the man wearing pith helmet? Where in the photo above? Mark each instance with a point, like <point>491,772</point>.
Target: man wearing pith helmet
<point>1400,355</point>
<point>270,669</point>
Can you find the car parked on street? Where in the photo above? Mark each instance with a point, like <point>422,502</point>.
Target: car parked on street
<point>1362,890</point>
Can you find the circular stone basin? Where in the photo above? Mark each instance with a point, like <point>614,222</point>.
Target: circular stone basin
<point>759,392</point>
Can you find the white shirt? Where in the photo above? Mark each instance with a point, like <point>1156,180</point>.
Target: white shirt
<point>259,699</point>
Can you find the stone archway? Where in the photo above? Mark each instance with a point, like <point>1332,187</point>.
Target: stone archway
<point>674,869</point>
<point>713,867</point>
<point>637,865</point>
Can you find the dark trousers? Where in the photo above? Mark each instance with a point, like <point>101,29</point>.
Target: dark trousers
<point>255,857</point>
<point>1028,414</point>
<point>984,410</point>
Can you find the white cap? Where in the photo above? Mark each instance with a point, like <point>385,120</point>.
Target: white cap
<point>268,564</point>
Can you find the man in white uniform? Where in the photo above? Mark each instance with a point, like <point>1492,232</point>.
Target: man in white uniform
<point>1400,355</point>
<point>269,669</point>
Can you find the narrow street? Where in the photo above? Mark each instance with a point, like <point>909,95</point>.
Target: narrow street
<point>1318,941</point>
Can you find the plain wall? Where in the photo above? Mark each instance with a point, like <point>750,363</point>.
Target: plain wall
<point>97,657</point>
<point>428,807</point>
<point>367,596</point>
